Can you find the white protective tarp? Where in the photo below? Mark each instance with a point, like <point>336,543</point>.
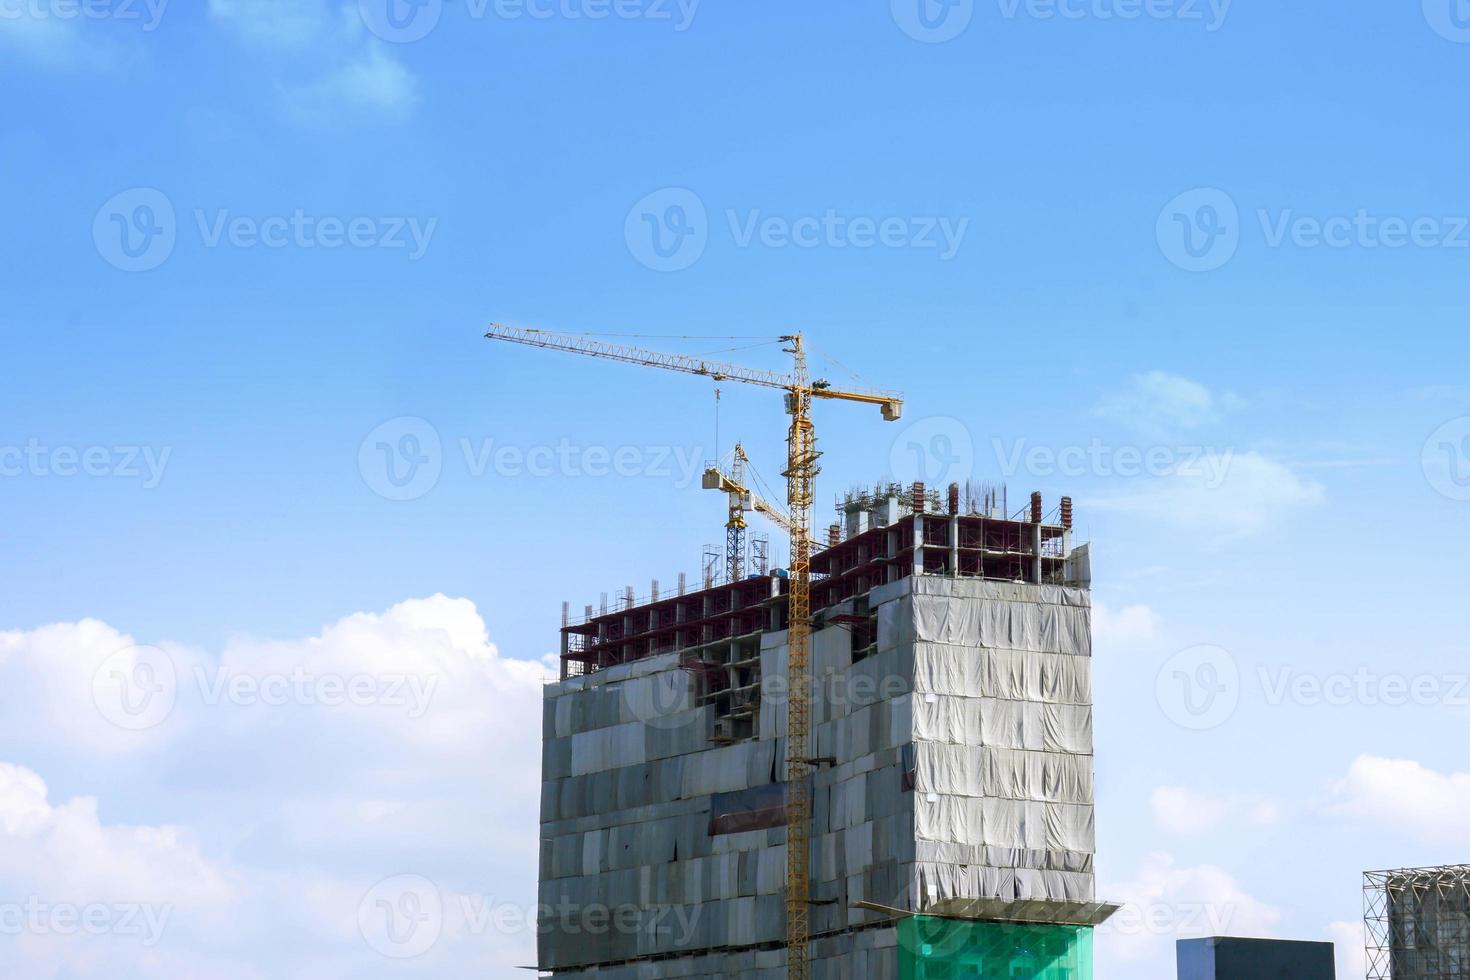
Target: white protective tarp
<point>1015,674</point>
<point>1004,624</point>
<point>937,882</point>
<point>1070,827</point>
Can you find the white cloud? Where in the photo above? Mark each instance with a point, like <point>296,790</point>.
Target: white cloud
<point>1158,402</point>
<point>1351,948</point>
<point>369,84</point>
<point>48,683</point>
<point>1128,626</point>
<point>1402,795</point>
<point>274,23</point>
<point>327,68</point>
<point>77,36</point>
<point>1188,813</point>
<point>1220,495</point>
<point>270,818</point>
<point>66,850</point>
<point>1164,903</point>
<point>1180,811</point>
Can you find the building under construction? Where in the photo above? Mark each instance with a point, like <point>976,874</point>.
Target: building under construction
<point>951,770</point>
<point>1418,923</point>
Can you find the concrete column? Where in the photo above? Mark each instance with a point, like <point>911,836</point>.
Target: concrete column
<point>918,544</point>
<point>954,546</point>
<point>1036,554</point>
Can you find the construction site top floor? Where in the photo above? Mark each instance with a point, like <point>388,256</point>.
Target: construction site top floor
<point>884,536</point>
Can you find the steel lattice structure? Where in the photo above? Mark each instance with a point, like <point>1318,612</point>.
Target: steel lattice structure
<point>1418,923</point>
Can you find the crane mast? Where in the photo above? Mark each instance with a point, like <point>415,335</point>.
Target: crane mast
<point>801,473</point>
<point>735,526</point>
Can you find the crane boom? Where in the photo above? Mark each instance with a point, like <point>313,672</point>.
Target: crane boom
<point>890,401</point>
<point>801,472</point>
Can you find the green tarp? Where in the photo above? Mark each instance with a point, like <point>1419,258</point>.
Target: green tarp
<point>932,948</point>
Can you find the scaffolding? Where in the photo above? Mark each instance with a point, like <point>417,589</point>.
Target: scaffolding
<point>1417,923</point>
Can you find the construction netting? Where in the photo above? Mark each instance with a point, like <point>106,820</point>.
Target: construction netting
<point>932,948</point>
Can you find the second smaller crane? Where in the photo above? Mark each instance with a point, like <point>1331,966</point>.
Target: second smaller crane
<point>742,500</point>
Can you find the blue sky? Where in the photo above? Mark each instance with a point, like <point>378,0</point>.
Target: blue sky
<point>1199,265</point>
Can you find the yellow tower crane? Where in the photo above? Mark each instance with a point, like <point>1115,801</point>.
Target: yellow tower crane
<point>801,473</point>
